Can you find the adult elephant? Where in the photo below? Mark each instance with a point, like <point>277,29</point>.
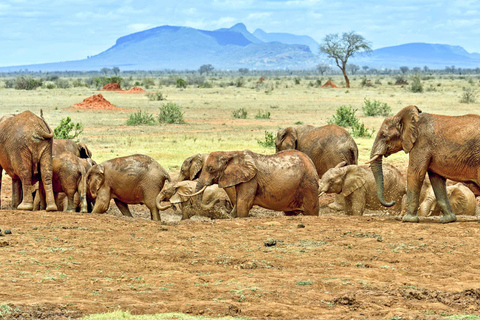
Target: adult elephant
<point>26,156</point>
<point>286,181</point>
<point>357,184</point>
<point>445,147</point>
<point>327,146</point>
<point>461,198</point>
<point>128,180</point>
<point>68,145</point>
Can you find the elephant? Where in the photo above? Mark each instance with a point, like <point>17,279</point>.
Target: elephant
<point>134,179</point>
<point>26,156</point>
<point>461,198</point>
<point>68,145</point>
<point>177,193</point>
<point>327,146</point>
<point>192,168</point>
<point>286,181</point>
<point>445,147</point>
<point>357,184</point>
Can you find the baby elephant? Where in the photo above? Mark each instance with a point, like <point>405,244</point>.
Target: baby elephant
<point>135,179</point>
<point>357,184</point>
<point>462,200</point>
<point>213,203</point>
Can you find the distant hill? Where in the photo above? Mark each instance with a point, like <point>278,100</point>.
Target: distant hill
<point>182,48</point>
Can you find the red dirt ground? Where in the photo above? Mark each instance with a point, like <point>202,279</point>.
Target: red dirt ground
<point>134,90</point>
<point>112,86</point>
<point>56,265</point>
<point>95,102</point>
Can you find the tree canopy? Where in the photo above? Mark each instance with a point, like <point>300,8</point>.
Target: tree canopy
<point>342,48</point>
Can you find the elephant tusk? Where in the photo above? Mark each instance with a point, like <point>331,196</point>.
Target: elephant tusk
<point>321,194</point>
<point>163,208</point>
<point>193,194</point>
<point>373,159</point>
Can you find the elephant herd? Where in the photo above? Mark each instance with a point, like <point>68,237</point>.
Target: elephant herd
<point>309,161</point>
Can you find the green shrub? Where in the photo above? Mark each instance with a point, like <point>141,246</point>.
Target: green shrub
<point>297,80</point>
<point>78,83</point>
<point>400,80</point>
<point>181,83</point>
<point>345,117</point>
<point>9,83</point>
<point>156,96</point>
<point>469,95</point>
<point>171,113</point>
<point>262,115</point>
<point>416,85</point>
<point>240,82</point>
<point>100,82</point>
<point>268,141</point>
<point>62,83</point>
<point>376,108</point>
<point>50,86</point>
<point>240,113</point>
<point>27,83</point>
<point>64,129</point>
<point>366,82</point>
<point>359,130</point>
<point>148,82</point>
<point>141,118</point>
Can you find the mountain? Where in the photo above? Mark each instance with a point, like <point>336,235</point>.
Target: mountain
<point>180,48</point>
<point>287,38</point>
<point>434,56</point>
<point>184,48</point>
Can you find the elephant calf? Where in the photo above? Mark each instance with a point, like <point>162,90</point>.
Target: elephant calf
<point>135,179</point>
<point>213,203</point>
<point>357,184</point>
<point>461,198</point>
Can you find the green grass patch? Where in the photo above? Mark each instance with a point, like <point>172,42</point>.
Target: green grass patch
<point>161,316</point>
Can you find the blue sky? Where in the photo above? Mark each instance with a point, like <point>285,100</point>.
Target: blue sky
<point>38,31</point>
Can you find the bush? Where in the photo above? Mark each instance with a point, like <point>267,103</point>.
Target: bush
<point>140,118</point>
<point>400,80</point>
<point>264,115</point>
<point>345,117</point>
<point>269,140</point>
<point>9,83</point>
<point>64,129</point>
<point>23,83</point>
<point>469,95</point>
<point>50,86</point>
<point>78,83</point>
<point>180,83</point>
<point>100,82</point>
<point>156,96</point>
<point>148,82</point>
<point>416,85</point>
<point>376,108</point>
<point>240,113</point>
<point>171,113</point>
<point>240,82</point>
<point>62,83</point>
<point>366,82</point>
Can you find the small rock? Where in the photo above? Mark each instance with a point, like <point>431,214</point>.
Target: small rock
<point>300,225</point>
<point>163,228</point>
<point>8,231</point>
<point>379,239</point>
<point>270,242</point>
<point>3,244</point>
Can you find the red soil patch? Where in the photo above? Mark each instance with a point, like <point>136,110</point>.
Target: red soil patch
<point>95,102</point>
<point>329,84</point>
<point>112,87</point>
<point>134,90</point>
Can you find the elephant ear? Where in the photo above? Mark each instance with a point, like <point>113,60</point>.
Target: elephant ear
<point>354,179</point>
<point>408,126</point>
<point>84,151</point>
<point>182,190</point>
<point>286,139</point>
<point>239,168</point>
<point>458,199</point>
<point>196,165</point>
<point>95,179</point>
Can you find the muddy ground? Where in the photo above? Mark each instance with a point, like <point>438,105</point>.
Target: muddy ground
<point>56,265</point>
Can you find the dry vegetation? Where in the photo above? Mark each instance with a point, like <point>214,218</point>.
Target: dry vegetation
<point>337,267</point>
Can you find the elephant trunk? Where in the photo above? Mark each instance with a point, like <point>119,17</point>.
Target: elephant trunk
<point>376,166</point>
<point>209,206</point>
<point>159,204</point>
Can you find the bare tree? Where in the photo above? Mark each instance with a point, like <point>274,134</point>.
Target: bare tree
<point>116,70</point>
<point>353,68</point>
<point>342,48</point>
<point>322,68</point>
<point>105,71</point>
<point>206,68</point>
<point>404,69</point>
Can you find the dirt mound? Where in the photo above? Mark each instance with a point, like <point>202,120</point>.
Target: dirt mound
<point>95,102</point>
<point>329,84</point>
<point>135,90</point>
<point>112,86</point>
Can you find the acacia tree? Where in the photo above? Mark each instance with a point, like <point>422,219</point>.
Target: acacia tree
<point>342,48</point>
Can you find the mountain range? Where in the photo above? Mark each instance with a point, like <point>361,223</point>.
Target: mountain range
<point>185,48</point>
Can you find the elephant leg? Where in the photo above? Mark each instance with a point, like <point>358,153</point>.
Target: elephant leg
<point>154,213</point>
<point>415,177</point>
<point>357,202</point>
<point>47,177</point>
<point>27,201</point>
<point>440,189</point>
<point>102,201</point>
<point>1,176</point>
<point>123,207</point>
<point>245,195</point>
<point>71,202</point>
<point>16,193</point>
<point>40,197</point>
<point>338,204</point>
<point>232,195</point>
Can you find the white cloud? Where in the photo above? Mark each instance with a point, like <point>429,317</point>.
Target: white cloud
<point>140,26</point>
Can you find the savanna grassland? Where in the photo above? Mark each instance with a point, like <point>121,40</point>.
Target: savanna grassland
<point>58,265</point>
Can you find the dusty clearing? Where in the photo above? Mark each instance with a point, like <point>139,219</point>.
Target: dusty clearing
<point>57,265</point>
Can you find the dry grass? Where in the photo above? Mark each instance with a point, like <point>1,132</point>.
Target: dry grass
<point>208,113</point>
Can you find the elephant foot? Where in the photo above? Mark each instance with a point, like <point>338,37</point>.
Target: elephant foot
<point>26,206</point>
<point>448,218</point>
<point>335,206</point>
<point>52,207</point>
<point>410,218</point>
